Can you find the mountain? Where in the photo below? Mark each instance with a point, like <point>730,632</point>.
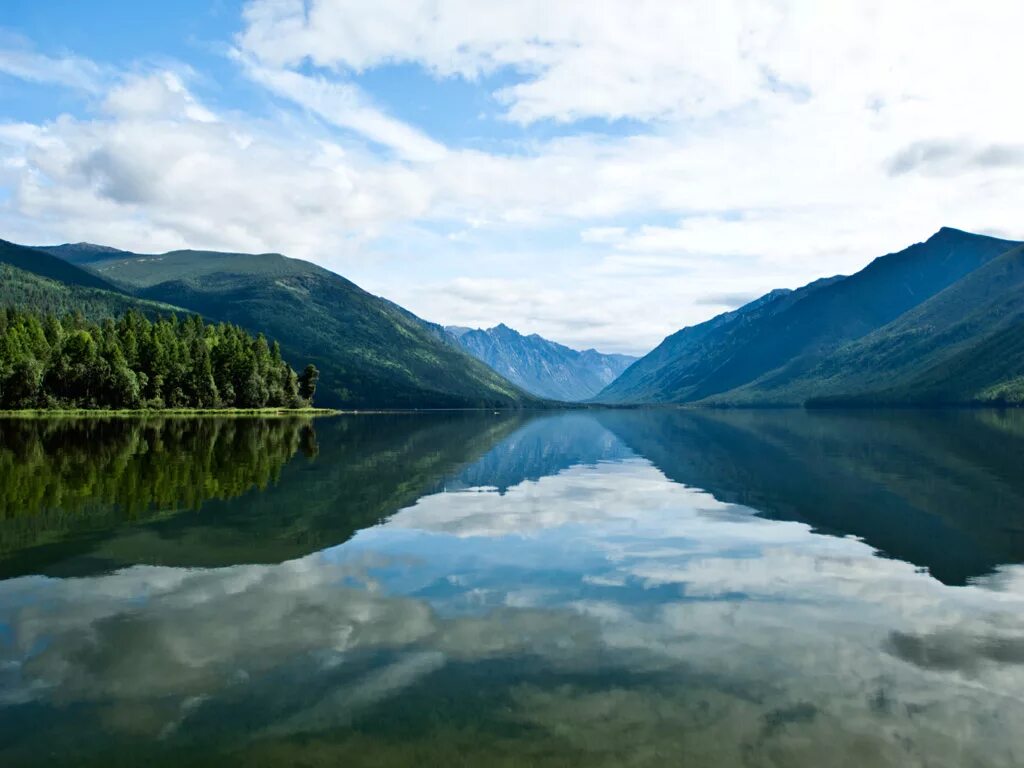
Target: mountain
<point>30,279</point>
<point>963,345</point>
<point>371,352</point>
<point>766,352</point>
<point>50,266</point>
<point>543,367</point>
<point>82,253</point>
<point>672,369</point>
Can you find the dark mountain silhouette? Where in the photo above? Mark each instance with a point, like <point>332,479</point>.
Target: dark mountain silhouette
<point>791,346</point>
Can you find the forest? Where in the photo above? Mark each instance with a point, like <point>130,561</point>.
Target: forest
<point>68,362</point>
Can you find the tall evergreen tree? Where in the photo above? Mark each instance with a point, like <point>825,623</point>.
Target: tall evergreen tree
<point>308,381</point>
<point>68,362</point>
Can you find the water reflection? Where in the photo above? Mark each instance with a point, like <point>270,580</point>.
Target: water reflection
<point>573,589</point>
<point>87,496</point>
<point>68,479</point>
<point>943,489</point>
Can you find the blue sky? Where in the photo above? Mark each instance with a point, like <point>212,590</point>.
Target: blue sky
<point>600,173</point>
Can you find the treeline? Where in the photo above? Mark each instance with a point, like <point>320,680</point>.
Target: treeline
<point>53,362</point>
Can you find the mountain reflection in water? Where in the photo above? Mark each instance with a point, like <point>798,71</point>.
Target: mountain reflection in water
<point>594,588</point>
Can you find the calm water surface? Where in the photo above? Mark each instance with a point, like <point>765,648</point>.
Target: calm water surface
<point>610,588</point>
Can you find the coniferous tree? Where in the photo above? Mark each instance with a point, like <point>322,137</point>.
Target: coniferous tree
<point>134,362</point>
<point>308,381</point>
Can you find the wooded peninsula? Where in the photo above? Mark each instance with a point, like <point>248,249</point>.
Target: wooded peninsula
<point>66,362</point>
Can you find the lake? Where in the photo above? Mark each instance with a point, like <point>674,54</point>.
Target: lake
<point>593,588</point>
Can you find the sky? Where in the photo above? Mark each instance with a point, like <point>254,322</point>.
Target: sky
<point>601,173</point>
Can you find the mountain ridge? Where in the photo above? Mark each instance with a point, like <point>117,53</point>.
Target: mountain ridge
<point>30,282</point>
<point>541,366</point>
<point>963,344</point>
<point>778,338</point>
<point>371,352</point>
<point>45,264</point>
<point>940,322</point>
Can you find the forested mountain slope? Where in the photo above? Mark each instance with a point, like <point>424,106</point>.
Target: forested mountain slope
<point>964,345</point>
<point>33,280</point>
<point>371,352</point>
<point>47,265</point>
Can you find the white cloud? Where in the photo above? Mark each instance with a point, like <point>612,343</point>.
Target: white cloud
<point>602,234</point>
<point>161,95</point>
<point>163,171</point>
<point>346,106</point>
<point>579,60</point>
<point>613,308</point>
<point>655,60</point>
<point>67,71</point>
<point>779,142</point>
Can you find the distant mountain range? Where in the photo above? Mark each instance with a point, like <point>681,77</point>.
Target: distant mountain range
<point>371,352</point>
<point>941,322</point>
<point>542,367</point>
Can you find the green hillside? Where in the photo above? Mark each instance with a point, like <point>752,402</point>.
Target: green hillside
<point>45,264</point>
<point>964,345</point>
<point>371,352</point>
<point>940,322</point>
<point>673,370</point>
<point>24,290</point>
<point>771,352</point>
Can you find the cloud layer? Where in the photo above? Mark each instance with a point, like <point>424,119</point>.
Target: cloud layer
<point>667,155</point>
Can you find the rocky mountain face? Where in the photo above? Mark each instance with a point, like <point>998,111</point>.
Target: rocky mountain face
<point>539,366</point>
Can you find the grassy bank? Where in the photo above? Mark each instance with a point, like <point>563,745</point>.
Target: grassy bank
<point>165,412</point>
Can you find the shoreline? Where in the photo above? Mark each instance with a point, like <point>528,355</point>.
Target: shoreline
<point>42,413</point>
